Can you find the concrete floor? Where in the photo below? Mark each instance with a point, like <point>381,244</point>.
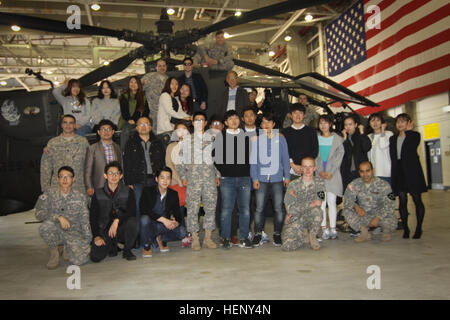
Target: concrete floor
<point>410,269</point>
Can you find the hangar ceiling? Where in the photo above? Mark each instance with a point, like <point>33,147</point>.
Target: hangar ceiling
<point>60,56</point>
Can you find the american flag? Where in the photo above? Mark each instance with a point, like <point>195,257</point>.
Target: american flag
<point>406,58</point>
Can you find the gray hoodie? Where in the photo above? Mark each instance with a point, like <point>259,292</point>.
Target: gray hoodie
<point>71,105</point>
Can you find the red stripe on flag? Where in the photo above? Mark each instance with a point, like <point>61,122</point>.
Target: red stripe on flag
<point>425,45</point>
<point>403,11</point>
<point>414,27</point>
<point>414,72</point>
<point>425,91</point>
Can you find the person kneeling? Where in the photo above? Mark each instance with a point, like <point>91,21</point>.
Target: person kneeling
<point>161,220</point>
<point>369,202</point>
<point>65,221</point>
<point>303,202</point>
<point>113,216</point>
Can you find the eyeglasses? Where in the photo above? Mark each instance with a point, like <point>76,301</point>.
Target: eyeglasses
<point>114,174</point>
<point>65,177</point>
<point>199,120</point>
<point>187,64</point>
<point>106,129</point>
<point>144,125</point>
<point>216,123</point>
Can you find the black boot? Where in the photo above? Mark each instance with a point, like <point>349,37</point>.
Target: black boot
<point>127,254</point>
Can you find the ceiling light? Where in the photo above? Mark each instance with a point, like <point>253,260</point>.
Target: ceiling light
<point>309,17</point>
<point>238,13</point>
<point>106,63</point>
<point>40,60</point>
<point>56,83</point>
<point>15,28</point>
<point>3,83</point>
<point>170,11</point>
<point>287,38</point>
<point>49,72</point>
<point>271,53</point>
<point>95,6</point>
<point>226,35</point>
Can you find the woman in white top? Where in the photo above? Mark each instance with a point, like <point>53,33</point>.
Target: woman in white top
<point>74,102</point>
<point>169,107</point>
<point>379,154</point>
<point>105,105</point>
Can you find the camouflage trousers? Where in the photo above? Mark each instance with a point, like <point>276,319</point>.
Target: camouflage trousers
<point>197,192</point>
<point>77,246</point>
<point>292,235</point>
<point>388,221</point>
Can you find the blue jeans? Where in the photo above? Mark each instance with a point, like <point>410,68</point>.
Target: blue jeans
<point>150,229</point>
<point>276,189</point>
<point>138,188</point>
<point>232,188</point>
<point>83,130</point>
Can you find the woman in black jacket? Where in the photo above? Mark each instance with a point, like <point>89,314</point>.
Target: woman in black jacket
<point>356,145</point>
<point>406,171</point>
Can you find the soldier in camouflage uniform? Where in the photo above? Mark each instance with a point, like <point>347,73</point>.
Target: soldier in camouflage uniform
<point>153,84</point>
<point>369,202</point>
<point>218,55</point>
<point>197,171</point>
<point>67,149</point>
<point>311,116</point>
<point>65,217</point>
<point>303,199</point>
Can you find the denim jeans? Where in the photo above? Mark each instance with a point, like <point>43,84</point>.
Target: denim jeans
<point>83,130</point>
<point>276,189</point>
<point>138,188</point>
<point>232,189</point>
<point>150,229</point>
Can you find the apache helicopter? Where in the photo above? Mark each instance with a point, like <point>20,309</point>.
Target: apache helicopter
<point>30,119</point>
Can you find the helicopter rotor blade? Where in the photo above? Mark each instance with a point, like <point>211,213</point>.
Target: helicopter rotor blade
<point>112,68</point>
<point>261,13</point>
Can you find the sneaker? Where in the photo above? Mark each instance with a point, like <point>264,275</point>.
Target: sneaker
<point>162,245</point>
<point>326,234</point>
<point>147,251</point>
<point>227,244</point>
<point>277,240</point>
<point>127,254</point>
<point>250,236</point>
<point>247,244</point>
<point>235,241</point>
<point>186,242</point>
<point>265,237</point>
<point>333,234</point>
<point>257,240</point>
<point>355,234</point>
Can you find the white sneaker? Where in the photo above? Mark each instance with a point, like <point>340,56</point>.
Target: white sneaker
<point>264,237</point>
<point>326,234</point>
<point>250,236</point>
<point>333,234</point>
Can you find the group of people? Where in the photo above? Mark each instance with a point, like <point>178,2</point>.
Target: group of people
<point>144,195</point>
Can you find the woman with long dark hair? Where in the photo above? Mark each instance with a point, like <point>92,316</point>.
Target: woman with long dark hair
<point>169,107</point>
<point>185,96</point>
<point>73,100</point>
<point>133,106</point>
<point>379,153</point>
<point>406,171</point>
<point>106,105</point>
<point>328,162</point>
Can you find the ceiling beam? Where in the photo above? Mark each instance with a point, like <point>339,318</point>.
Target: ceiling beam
<point>286,25</point>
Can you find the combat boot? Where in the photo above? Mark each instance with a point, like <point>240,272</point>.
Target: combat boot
<point>386,237</point>
<point>195,242</point>
<point>364,235</point>
<point>53,262</point>
<point>63,252</point>
<point>207,242</point>
<point>313,241</point>
<point>306,236</point>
